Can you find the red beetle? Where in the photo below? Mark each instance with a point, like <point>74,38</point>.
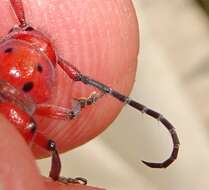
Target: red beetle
<point>28,62</point>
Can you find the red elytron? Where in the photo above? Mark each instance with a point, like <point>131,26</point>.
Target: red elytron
<point>27,62</point>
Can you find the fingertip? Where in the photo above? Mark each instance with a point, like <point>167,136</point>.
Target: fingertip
<point>104,49</point>
<point>17,165</point>
<point>101,39</point>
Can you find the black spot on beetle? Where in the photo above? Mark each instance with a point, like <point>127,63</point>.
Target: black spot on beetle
<point>27,86</point>
<point>39,68</point>
<point>8,50</point>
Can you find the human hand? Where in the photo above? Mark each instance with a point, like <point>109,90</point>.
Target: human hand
<point>98,37</point>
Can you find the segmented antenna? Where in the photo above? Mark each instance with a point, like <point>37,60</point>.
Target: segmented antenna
<point>140,107</point>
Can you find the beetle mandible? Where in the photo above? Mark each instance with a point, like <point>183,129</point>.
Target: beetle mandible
<point>28,62</point>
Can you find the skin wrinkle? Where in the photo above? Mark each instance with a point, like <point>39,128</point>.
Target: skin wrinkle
<point>81,125</point>
<point>110,69</point>
<point>91,34</point>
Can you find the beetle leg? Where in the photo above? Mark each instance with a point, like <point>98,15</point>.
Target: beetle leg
<point>17,6</point>
<point>55,170</point>
<point>59,112</point>
<point>92,99</point>
<point>50,145</point>
<point>76,75</point>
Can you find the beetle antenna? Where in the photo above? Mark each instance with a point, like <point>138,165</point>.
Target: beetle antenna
<point>125,99</point>
<point>76,75</point>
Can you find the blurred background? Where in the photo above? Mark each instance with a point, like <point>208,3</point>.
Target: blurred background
<point>172,77</point>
